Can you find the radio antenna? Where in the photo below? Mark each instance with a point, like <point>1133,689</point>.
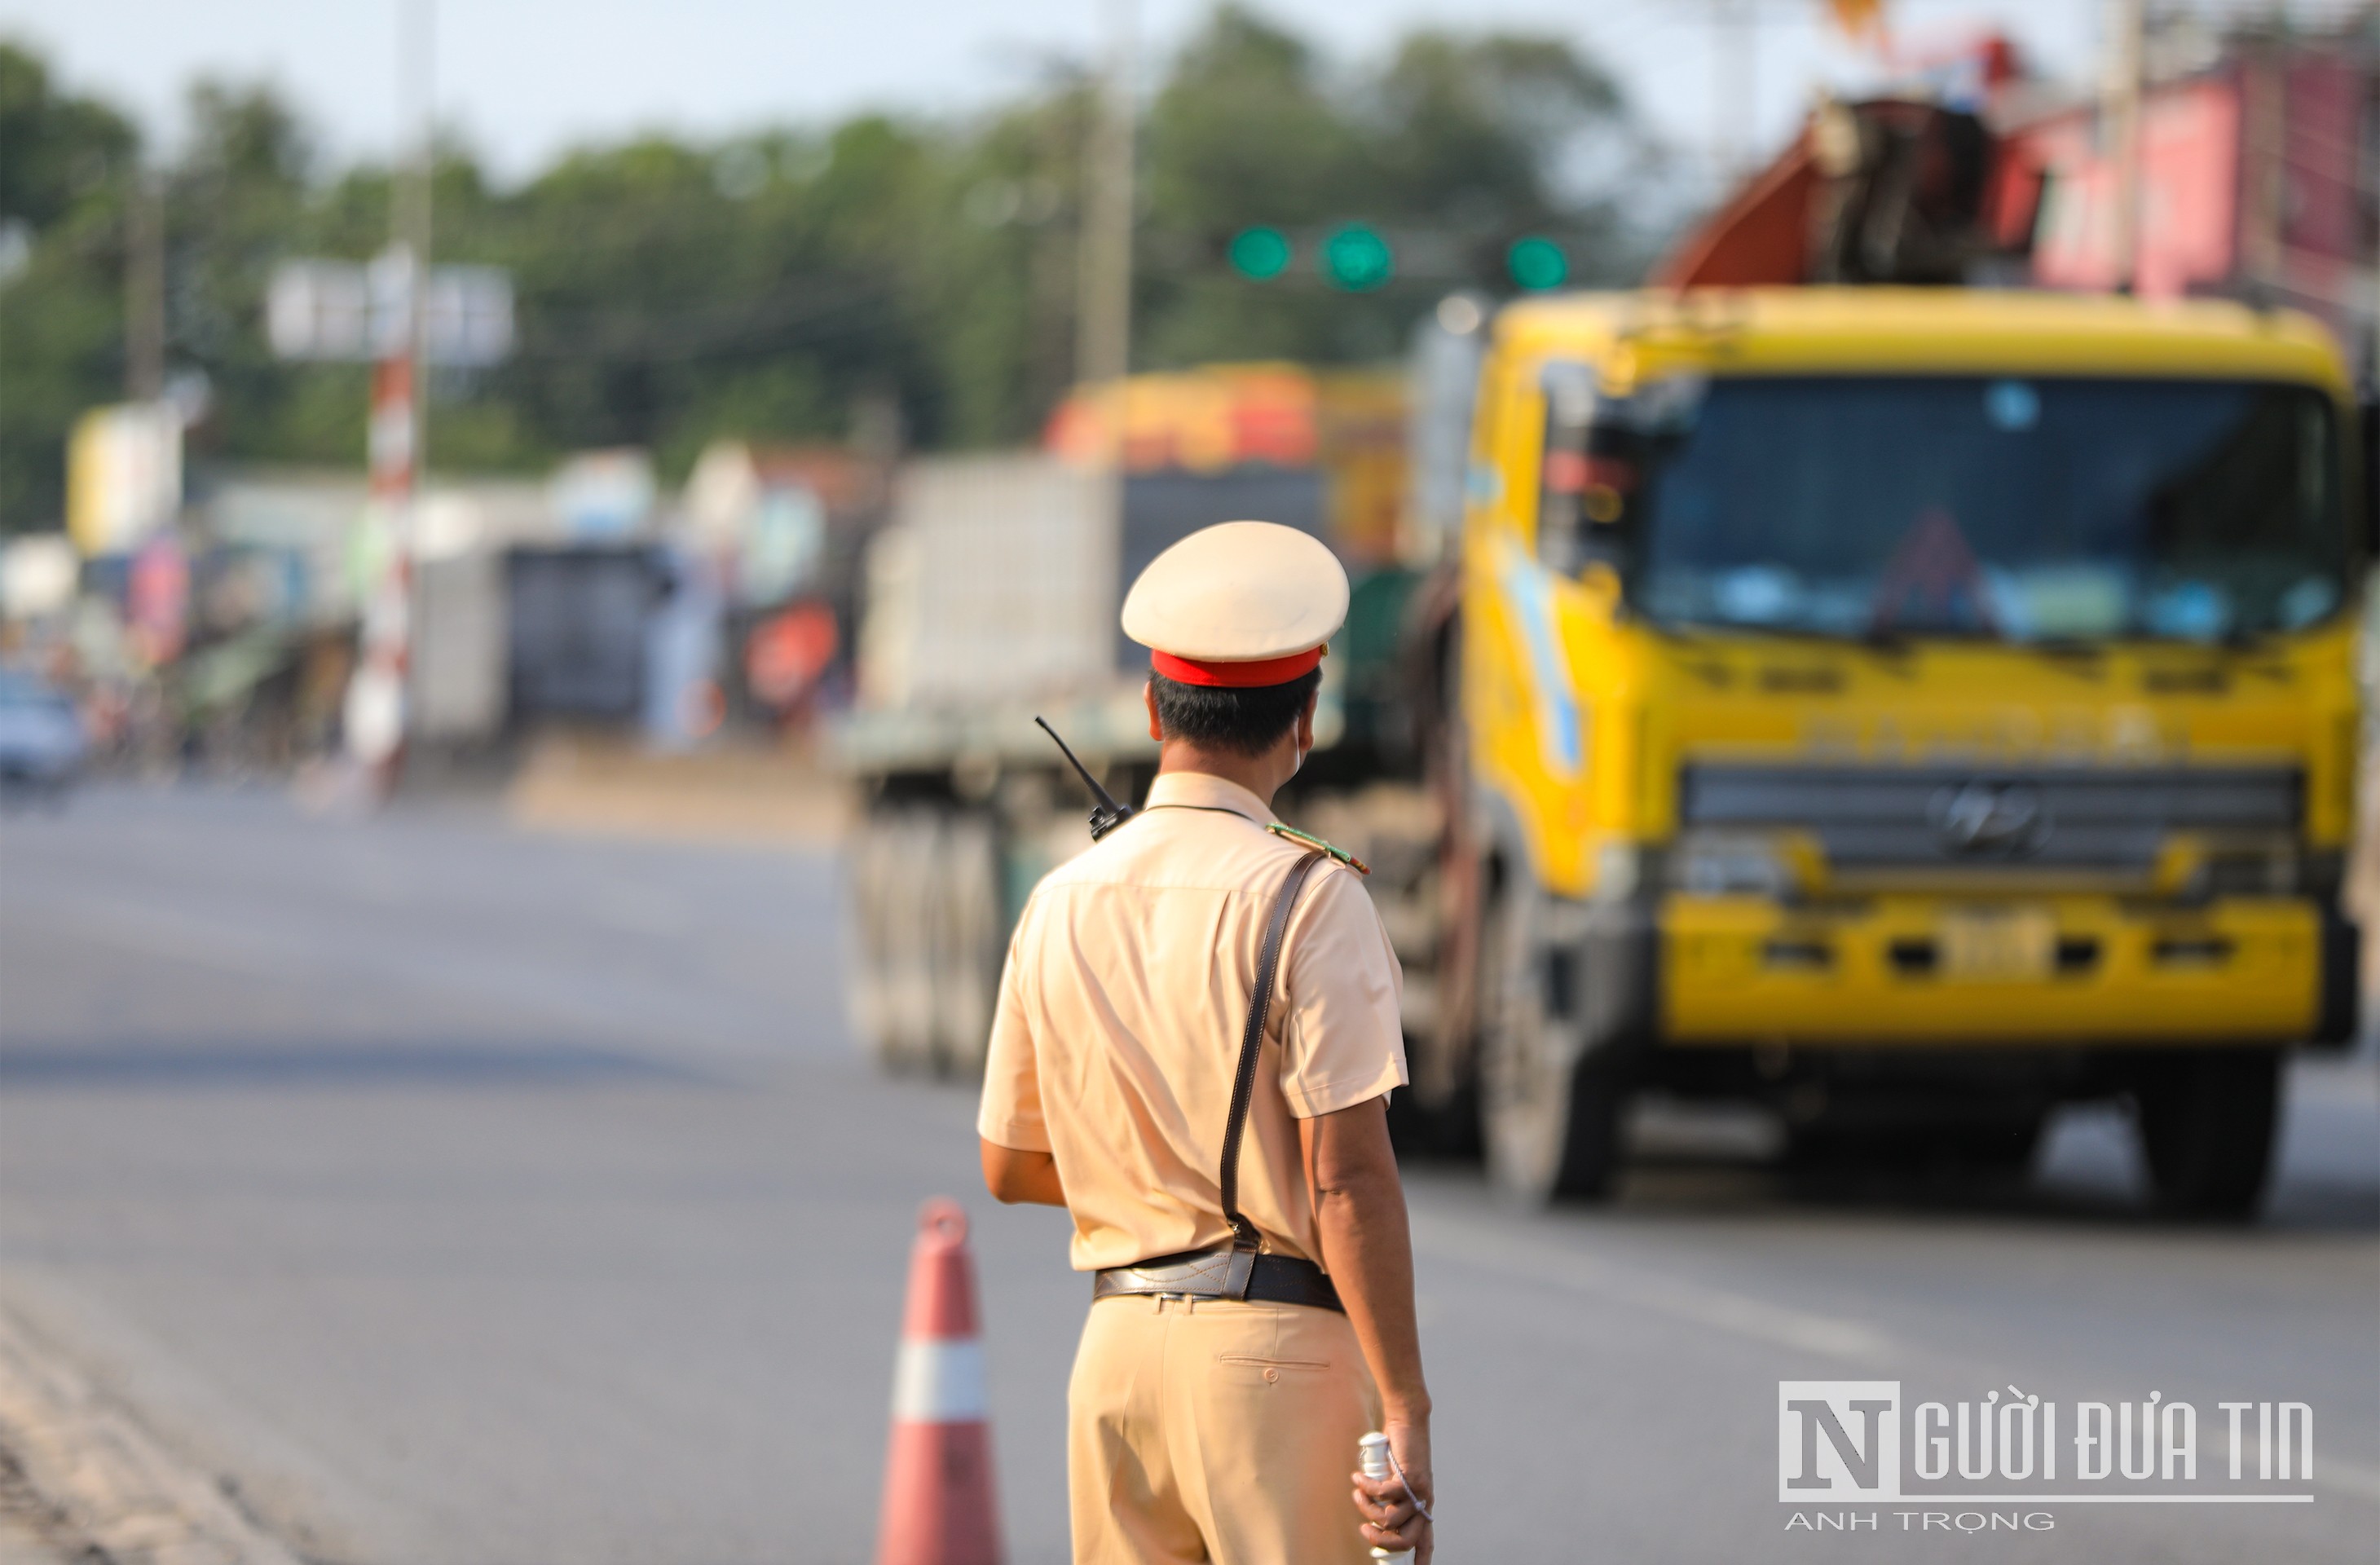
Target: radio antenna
<point>1108,814</point>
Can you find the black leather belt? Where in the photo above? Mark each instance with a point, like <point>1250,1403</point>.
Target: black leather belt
<point>1226,1272</point>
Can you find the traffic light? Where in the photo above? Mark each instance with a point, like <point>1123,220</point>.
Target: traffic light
<point>1537,262</point>
<point>1259,254</point>
<point>1357,258</point>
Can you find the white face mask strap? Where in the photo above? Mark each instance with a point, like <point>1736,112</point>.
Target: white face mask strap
<point>1399,1469</point>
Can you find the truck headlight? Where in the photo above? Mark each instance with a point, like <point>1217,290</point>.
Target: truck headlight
<point>1710,865</point>
<point>1618,868</point>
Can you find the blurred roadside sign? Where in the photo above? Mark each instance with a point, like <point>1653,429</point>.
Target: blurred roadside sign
<point>470,316</point>
<point>38,573</point>
<point>123,475</point>
<point>157,599</point>
<point>345,311</point>
<point>600,494</point>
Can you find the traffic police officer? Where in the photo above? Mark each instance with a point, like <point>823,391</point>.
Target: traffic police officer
<point>1197,1033</point>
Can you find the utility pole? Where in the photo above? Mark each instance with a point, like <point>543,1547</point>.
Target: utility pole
<point>2263,77</point>
<point>375,717</point>
<point>1103,280</point>
<point>413,219</point>
<point>1103,311</point>
<point>2125,65</point>
<point>144,289</point>
<point>1734,80</point>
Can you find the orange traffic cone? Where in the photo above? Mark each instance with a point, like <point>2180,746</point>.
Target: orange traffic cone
<point>938,1502</point>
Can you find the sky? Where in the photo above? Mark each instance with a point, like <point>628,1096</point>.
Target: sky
<point>524,80</point>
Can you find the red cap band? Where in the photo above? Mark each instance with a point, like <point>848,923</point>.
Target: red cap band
<point>1234,675</point>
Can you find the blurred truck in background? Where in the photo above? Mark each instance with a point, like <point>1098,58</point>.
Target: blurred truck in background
<point>991,597</point>
<point>1913,709</point>
<point>1914,705</point>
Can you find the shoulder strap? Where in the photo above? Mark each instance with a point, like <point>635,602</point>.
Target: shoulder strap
<point>1244,1233</point>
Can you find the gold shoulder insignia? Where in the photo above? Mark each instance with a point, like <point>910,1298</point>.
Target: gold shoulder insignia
<point>1293,834</point>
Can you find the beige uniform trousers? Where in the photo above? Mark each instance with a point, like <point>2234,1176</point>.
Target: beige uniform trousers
<point>1214,1429</point>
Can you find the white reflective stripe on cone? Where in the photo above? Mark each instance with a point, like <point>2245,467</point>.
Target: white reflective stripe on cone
<point>939,1380</point>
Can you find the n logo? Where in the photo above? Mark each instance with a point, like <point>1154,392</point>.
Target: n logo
<point>1838,1441</point>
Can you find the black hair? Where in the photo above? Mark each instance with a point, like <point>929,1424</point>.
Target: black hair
<point>1246,720</point>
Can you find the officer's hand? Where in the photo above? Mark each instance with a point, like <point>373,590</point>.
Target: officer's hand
<point>1390,1520</point>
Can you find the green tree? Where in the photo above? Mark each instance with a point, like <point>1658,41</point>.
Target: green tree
<point>670,292</point>
<point>1459,141</point>
<point>243,198</point>
<point>64,163</point>
<point>60,149</point>
<point>1245,131</point>
<point>1472,130</point>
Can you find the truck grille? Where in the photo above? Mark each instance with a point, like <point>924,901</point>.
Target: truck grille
<point>1941,817</point>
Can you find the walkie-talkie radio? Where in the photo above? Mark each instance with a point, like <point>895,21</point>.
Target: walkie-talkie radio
<point>1107,814</point>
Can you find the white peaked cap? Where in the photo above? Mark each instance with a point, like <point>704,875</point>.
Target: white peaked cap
<point>1238,593</point>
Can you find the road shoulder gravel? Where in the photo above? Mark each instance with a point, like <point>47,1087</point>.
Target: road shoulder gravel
<point>82,1480</point>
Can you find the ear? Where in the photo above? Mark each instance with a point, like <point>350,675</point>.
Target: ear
<point>1306,719</point>
<point>1149,694</point>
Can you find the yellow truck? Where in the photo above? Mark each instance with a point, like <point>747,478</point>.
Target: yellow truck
<point>1912,709</point>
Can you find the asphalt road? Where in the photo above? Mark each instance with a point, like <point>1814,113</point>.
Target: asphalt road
<point>471,1197</point>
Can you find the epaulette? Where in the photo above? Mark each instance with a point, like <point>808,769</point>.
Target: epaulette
<point>1311,841</point>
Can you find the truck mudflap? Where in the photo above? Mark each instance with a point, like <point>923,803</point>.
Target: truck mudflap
<point>1922,970</point>
<point>2342,981</point>
<point>1604,974</point>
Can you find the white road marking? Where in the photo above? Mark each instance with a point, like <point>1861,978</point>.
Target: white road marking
<point>1720,1309</point>
<point>2359,1482</point>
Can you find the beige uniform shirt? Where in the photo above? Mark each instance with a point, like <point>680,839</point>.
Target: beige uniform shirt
<point>1120,1014</point>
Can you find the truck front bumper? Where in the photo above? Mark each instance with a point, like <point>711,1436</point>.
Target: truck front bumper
<point>1912,970</point>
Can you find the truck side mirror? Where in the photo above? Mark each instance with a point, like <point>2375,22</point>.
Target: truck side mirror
<point>1600,449</point>
<point>2367,430</point>
<point>1570,401</point>
<point>1595,451</point>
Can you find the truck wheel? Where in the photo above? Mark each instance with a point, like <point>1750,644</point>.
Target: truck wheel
<point>892,873</point>
<point>916,854</point>
<point>2206,1121</point>
<point>1551,1120</point>
<point>966,940</point>
<point>864,885</point>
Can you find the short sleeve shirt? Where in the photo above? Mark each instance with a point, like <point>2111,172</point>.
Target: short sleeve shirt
<point>1121,1009</point>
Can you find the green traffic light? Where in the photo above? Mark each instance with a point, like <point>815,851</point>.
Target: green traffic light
<point>1357,260</point>
<point>1259,254</point>
<point>1537,262</point>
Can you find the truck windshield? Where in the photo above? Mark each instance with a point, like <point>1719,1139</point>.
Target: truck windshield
<point>2022,509</point>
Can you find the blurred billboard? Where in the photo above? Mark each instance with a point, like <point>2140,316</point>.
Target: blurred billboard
<point>123,475</point>
<point>343,311</point>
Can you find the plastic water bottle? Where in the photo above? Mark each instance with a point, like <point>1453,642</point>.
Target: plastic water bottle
<point>1372,1461</point>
